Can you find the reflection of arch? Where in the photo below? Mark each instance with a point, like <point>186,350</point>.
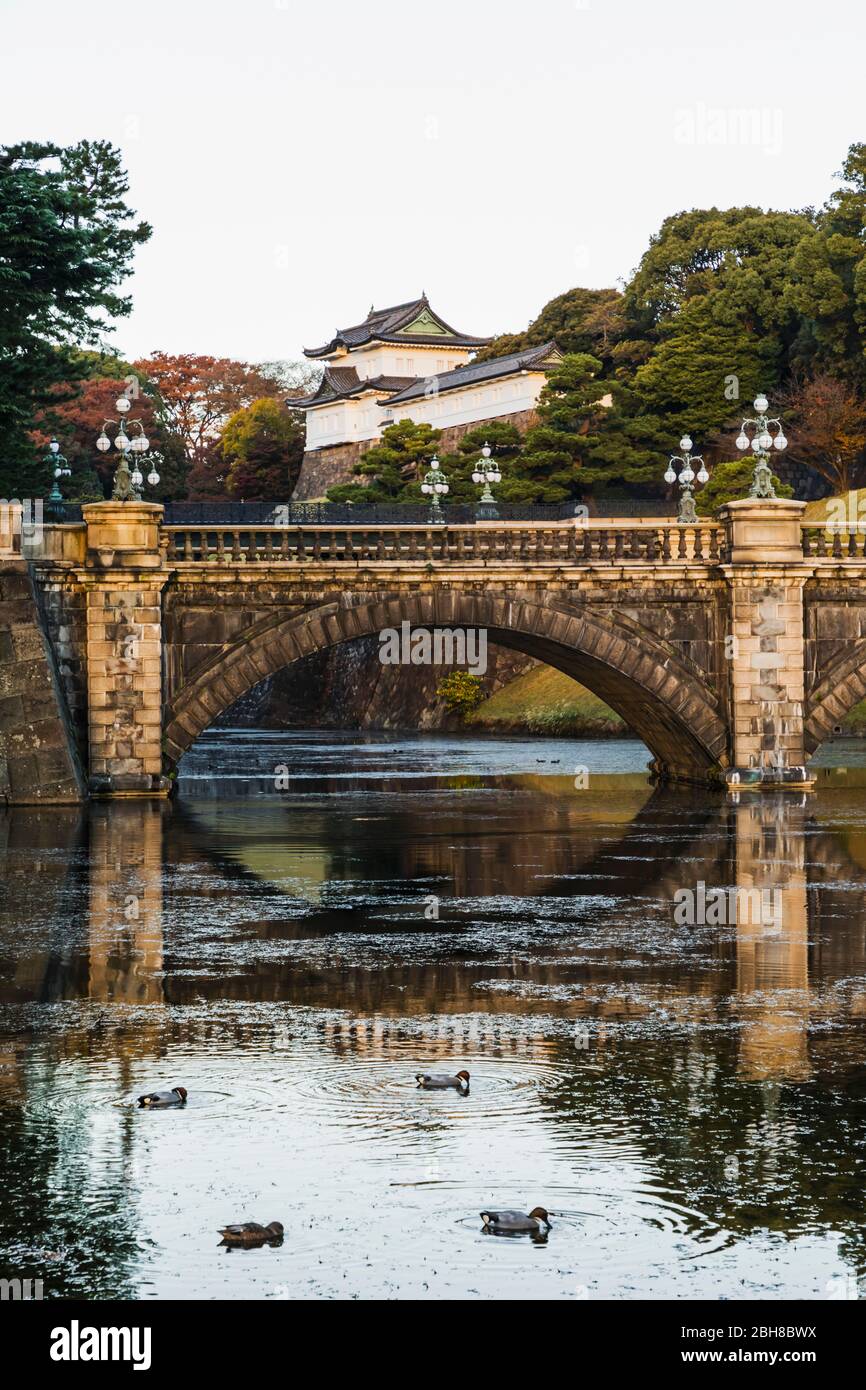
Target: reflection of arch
<point>661,695</point>
<point>841,687</point>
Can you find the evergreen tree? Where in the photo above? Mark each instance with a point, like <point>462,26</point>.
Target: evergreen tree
<point>505,443</point>
<point>67,240</point>
<point>395,466</point>
<point>829,289</point>
<point>730,481</point>
<point>580,320</point>
<point>570,409</point>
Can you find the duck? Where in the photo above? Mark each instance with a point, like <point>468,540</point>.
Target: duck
<point>440,1082</point>
<point>514,1222</point>
<point>251,1233</point>
<point>161,1100</point>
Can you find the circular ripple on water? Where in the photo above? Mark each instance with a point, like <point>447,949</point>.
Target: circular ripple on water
<point>648,1222</point>
<point>383,1095</point>
<point>209,1103</point>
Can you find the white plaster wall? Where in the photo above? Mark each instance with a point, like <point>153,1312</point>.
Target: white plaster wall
<point>344,422</point>
<point>483,402</point>
<point>392,360</point>
<point>362,418</point>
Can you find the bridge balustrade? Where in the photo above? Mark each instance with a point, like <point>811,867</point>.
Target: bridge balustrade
<point>836,542</point>
<point>499,545</point>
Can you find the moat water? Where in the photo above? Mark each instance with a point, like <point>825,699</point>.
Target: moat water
<point>316,917</point>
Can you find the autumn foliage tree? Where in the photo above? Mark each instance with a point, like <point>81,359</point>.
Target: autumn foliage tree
<point>825,420</point>
<point>198,394</point>
<point>77,419</point>
<point>262,447</point>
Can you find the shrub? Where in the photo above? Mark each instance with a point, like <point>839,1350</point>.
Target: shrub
<point>461,691</point>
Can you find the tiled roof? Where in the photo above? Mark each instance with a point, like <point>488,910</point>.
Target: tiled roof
<point>339,383</point>
<point>388,325</point>
<point>531,359</point>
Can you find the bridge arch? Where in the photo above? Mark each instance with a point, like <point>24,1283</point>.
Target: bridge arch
<point>841,687</point>
<point>662,697</point>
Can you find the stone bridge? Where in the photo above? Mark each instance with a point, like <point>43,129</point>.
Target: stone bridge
<point>731,648</point>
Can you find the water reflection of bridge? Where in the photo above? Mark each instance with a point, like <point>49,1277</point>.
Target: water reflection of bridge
<point>107,908</point>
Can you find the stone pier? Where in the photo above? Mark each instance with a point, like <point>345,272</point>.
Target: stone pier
<point>124,577</point>
<point>765,647</point>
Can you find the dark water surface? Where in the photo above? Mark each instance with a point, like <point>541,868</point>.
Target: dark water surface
<point>688,1101</point>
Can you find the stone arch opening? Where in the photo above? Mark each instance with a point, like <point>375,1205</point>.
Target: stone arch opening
<point>662,698</point>
<point>841,687</point>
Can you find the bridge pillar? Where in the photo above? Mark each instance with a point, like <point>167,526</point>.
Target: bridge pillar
<point>123,578</point>
<point>766,641</point>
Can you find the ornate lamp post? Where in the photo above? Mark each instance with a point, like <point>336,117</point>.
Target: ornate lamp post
<point>127,481</point>
<point>687,514</point>
<point>434,486</point>
<point>486,472</point>
<point>762,441</point>
<point>56,509</point>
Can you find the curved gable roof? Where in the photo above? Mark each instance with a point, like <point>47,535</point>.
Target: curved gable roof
<point>339,383</point>
<point>543,358</point>
<point>413,322</point>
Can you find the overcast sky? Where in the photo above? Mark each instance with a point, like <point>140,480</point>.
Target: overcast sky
<point>300,161</point>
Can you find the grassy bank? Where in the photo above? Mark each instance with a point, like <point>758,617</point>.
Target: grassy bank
<point>544,701</point>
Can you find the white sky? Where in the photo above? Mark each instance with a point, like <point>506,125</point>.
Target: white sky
<point>300,161</point>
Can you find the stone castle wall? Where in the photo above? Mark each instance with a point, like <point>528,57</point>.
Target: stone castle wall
<point>38,757</point>
<point>325,468</point>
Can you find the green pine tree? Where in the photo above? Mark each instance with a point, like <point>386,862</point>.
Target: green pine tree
<point>395,466</point>
<point>67,239</point>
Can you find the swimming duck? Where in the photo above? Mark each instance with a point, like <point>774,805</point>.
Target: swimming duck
<point>160,1100</point>
<point>460,1082</point>
<point>511,1222</point>
<point>251,1233</point>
